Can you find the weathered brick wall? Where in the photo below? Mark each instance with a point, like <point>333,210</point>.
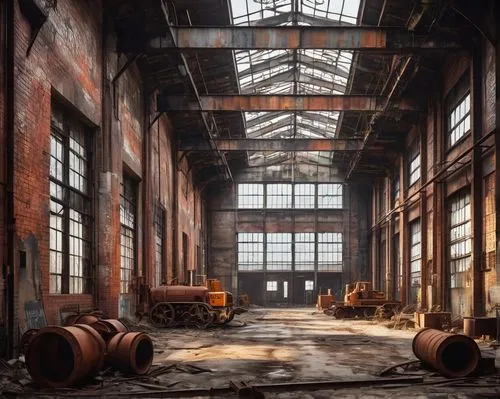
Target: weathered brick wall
<point>64,61</point>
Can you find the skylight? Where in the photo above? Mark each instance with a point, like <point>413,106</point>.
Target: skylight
<point>302,72</point>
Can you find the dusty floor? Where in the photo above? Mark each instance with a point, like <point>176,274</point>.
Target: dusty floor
<point>282,345</point>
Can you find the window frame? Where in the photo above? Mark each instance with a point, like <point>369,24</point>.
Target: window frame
<point>278,240</point>
<point>127,273</point>
<point>271,285</point>
<point>159,224</point>
<point>304,242</point>
<point>337,239</point>
<point>465,240</point>
<point>415,154</point>
<point>76,142</point>
<point>321,198</point>
<point>250,240</point>
<point>415,258</point>
<point>282,198</point>
<point>455,97</point>
<point>301,197</point>
<point>257,199</point>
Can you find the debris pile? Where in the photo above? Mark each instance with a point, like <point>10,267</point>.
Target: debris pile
<point>59,357</point>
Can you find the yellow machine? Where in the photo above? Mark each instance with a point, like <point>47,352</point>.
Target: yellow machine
<point>362,300</point>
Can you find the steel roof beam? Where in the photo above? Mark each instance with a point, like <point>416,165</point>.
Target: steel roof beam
<point>256,103</point>
<point>295,37</point>
<point>275,145</point>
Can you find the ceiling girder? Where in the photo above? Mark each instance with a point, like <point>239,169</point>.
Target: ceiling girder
<point>249,103</point>
<point>284,145</point>
<point>292,37</point>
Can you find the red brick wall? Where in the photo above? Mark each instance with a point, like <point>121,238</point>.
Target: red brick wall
<point>65,60</point>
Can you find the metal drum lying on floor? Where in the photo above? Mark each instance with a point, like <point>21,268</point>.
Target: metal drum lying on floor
<point>108,327</point>
<point>454,355</point>
<point>131,352</point>
<point>80,319</point>
<point>62,356</point>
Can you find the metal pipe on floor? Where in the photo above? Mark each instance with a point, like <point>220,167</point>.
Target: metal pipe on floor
<point>453,355</point>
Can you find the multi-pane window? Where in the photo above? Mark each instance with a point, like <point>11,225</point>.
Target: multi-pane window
<point>460,239</point>
<point>395,188</point>
<point>458,106</point>
<point>304,251</point>
<point>330,252</point>
<point>279,251</point>
<point>128,201</point>
<point>304,196</point>
<point>70,206</point>
<point>250,251</point>
<point>159,228</point>
<point>279,196</point>
<point>459,120</point>
<point>330,196</point>
<point>415,258</point>
<point>272,286</point>
<point>250,196</point>
<point>309,285</point>
<point>414,170</point>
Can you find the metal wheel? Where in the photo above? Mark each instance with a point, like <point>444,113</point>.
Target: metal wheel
<point>202,316</point>
<point>162,315</point>
<point>340,313</point>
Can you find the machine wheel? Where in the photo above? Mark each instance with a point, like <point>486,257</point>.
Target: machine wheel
<point>202,316</point>
<point>162,315</point>
<point>229,318</point>
<point>339,313</point>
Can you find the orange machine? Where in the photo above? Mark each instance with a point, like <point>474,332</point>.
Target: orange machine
<point>361,299</point>
<point>325,301</point>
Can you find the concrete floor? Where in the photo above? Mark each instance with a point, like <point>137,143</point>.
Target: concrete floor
<point>291,345</point>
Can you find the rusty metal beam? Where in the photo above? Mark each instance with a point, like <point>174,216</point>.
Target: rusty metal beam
<point>256,103</point>
<point>296,37</point>
<point>285,145</point>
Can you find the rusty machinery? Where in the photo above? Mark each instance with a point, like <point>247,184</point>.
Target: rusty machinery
<point>362,300</point>
<point>196,306</point>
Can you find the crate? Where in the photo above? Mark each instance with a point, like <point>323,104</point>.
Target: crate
<point>437,320</point>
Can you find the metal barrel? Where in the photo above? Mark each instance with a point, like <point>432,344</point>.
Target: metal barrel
<point>80,319</point>
<point>109,327</point>
<point>454,355</point>
<point>62,356</point>
<point>131,352</point>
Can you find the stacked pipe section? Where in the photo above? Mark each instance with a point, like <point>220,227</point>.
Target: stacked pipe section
<point>453,355</point>
<point>59,357</point>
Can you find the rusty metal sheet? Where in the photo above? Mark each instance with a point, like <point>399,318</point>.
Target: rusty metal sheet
<point>256,103</point>
<point>302,37</point>
<point>275,145</point>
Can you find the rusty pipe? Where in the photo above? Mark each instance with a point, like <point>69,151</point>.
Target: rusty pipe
<point>130,352</point>
<point>62,356</point>
<point>108,327</point>
<point>453,355</point>
<point>87,319</point>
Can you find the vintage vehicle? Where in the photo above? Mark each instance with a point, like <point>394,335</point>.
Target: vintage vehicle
<point>196,306</point>
<point>362,300</point>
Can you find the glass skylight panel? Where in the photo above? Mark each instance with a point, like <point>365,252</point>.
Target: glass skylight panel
<point>293,72</point>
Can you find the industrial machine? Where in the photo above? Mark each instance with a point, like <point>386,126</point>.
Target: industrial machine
<point>362,300</point>
<point>192,306</point>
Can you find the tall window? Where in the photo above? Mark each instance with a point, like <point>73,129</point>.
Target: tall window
<point>414,174</point>
<point>330,252</point>
<point>460,239</point>
<point>395,187</point>
<point>330,196</point>
<point>250,251</point>
<point>70,206</point>
<point>159,228</point>
<point>128,211</point>
<point>279,251</point>
<point>415,260</point>
<point>279,196</point>
<point>304,251</point>
<point>458,110</point>
<point>304,196</point>
<point>250,196</point>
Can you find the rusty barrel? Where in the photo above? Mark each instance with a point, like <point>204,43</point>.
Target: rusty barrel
<point>80,319</point>
<point>62,356</point>
<point>454,355</point>
<point>109,327</point>
<point>131,352</point>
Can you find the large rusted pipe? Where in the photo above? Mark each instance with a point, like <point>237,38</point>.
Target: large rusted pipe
<point>62,356</point>
<point>88,319</point>
<point>454,355</point>
<point>131,352</point>
<point>109,327</point>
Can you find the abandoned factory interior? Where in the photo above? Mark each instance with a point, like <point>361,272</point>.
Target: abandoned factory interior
<point>259,198</point>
